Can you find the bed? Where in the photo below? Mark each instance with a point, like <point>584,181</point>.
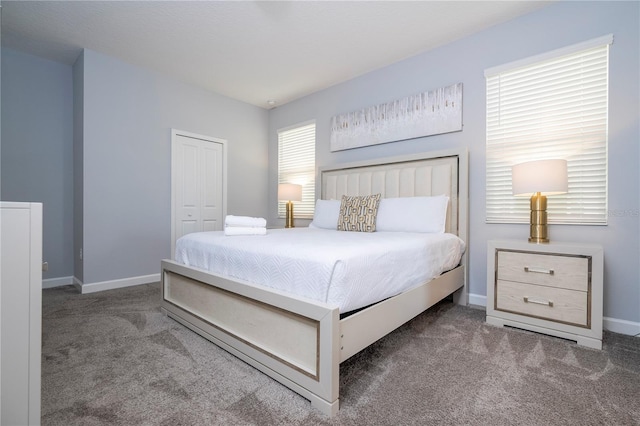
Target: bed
<point>300,341</point>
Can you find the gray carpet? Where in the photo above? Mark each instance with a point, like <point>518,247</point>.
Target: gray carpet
<point>113,358</point>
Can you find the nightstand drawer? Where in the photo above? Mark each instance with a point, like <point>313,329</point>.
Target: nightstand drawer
<point>556,304</point>
<point>568,272</point>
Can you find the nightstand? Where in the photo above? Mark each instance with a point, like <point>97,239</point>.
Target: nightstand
<point>553,288</point>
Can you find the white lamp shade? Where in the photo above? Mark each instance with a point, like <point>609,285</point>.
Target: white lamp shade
<point>548,177</point>
<point>289,192</point>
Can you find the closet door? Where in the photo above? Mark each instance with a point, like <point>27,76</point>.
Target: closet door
<point>21,312</point>
<point>198,184</point>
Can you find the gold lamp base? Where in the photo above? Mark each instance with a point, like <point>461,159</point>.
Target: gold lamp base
<point>538,227</point>
<point>289,219</point>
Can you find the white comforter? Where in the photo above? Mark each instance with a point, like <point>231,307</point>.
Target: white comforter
<point>349,270</point>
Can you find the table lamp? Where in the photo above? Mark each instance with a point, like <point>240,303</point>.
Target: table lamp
<point>539,179</point>
<point>289,192</point>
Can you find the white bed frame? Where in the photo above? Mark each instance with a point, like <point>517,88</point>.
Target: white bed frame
<point>300,342</point>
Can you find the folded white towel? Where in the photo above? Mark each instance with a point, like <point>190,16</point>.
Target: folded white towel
<point>245,221</point>
<point>245,230</point>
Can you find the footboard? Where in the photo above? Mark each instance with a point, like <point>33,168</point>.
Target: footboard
<point>293,340</point>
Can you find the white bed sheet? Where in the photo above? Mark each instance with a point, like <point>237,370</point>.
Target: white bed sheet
<point>349,270</point>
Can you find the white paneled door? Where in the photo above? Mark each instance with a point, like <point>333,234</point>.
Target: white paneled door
<point>198,184</point>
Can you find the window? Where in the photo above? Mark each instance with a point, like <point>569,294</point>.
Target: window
<point>297,164</point>
<point>550,106</point>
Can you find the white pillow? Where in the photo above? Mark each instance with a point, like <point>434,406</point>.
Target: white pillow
<point>413,214</point>
<point>326,214</point>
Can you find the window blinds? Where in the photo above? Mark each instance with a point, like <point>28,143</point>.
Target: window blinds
<point>546,107</point>
<point>296,164</point>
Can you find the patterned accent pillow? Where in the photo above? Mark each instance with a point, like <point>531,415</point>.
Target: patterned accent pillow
<point>358,213</point>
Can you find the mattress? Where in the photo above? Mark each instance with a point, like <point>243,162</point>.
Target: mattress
<point>349,270</point>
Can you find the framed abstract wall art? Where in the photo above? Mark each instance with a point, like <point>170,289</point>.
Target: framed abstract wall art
<point>424,114</point>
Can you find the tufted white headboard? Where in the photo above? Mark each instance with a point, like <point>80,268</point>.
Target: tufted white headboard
<point>417,175</point>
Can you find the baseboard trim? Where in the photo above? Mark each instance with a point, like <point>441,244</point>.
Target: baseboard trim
<point>614,325</point>
<point>57,282</point>
<point>77,284</point>
<point>86,288</point>
<point>477,299</point>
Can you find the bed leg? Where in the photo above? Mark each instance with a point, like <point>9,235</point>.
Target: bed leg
<point>329,409</point>
<point>461,296</point>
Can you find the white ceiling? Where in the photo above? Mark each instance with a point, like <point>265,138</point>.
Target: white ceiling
<point>253,51</point>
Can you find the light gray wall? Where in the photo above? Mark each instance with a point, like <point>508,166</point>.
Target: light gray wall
<point>558,25</point>
<point>128,115</point>
<point>37,140</point>
<point>92,142</point>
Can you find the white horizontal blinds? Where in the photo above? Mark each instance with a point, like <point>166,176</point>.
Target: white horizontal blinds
<point>552,108</point>
<point>296,164</point>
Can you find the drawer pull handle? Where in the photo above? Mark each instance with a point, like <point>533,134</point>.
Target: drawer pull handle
<point>538,302</point>
<point>538,270</point>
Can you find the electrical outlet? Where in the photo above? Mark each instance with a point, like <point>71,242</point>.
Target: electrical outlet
<point>80,254</point>
<point>45,266</point>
